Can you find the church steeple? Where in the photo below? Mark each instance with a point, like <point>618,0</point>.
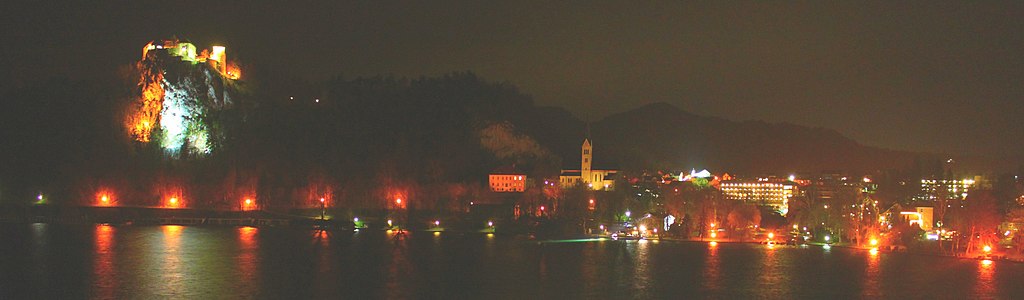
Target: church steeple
<point>586,161</point>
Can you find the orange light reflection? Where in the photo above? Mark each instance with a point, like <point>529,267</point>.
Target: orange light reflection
<point>104,271</point>
<point>247,259</point>
<point>986,285</point>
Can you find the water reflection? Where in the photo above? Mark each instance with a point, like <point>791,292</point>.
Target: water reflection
<point>322,237</point>
<point>642,272</point>
<point>712,266</point>
<point>104,272</point>
<point>172,275</point>
<point>150,262</point>
<point>871,288</point>
<point>771,276</point>
<point>399,269</point>
<point>985,286</point>
<point>247,259</point>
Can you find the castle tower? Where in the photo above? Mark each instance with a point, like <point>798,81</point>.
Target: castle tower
<point>219,54</point>
<point>588,155</point>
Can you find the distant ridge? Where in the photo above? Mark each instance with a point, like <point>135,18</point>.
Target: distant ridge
<point>662,136</point>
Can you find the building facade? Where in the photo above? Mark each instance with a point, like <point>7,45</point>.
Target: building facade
<point>773,194</point>
<point>507,180</point>
<point>951,189</point>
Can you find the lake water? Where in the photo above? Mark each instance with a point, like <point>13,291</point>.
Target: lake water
<point>48,261</point>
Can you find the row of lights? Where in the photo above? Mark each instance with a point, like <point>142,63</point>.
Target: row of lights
<point>391,223</point>
<point>106,199</point>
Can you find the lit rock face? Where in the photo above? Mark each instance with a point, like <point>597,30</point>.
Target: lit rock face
<point>178,92</point>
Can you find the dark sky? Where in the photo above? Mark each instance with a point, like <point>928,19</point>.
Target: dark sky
<point>930,76</point>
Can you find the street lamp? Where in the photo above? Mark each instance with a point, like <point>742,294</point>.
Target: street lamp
<point>323,208</point>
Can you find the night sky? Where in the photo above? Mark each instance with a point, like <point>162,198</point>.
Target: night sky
<point>933,77</point>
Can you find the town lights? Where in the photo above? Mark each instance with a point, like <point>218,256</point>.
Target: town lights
<point>771,235</point>
<point>874,242</point>
<point>987,248</point>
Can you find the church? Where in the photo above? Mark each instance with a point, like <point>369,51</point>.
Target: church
<point>598,180</point>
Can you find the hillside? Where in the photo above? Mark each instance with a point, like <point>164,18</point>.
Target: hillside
<point>661,136</point>
<point>368,138</point>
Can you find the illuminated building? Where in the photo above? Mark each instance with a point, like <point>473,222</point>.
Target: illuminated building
<point>507,179</point>
<point>595,179</point>
<point>922,216</point>
<point>773,194</point>
<point>955,189</point>
<point>216,56</point>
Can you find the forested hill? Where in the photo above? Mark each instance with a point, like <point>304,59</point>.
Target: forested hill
<point>368,135</point>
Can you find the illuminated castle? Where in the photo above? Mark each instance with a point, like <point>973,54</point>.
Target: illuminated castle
<point>178,87</point>
<point>216,56</point>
